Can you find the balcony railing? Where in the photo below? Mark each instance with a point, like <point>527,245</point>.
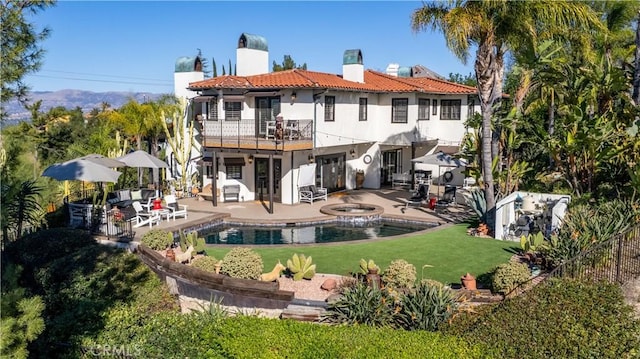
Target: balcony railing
<point>248,134</point>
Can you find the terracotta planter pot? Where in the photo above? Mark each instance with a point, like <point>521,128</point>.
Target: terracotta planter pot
<point>468,282</point>
<point>373,279</point>
<point>171,255</point>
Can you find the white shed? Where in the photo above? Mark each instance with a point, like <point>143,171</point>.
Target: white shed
<point>544,210</point>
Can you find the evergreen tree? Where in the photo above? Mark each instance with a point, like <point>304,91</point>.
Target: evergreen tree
<point>21,54</point>
<point>230,71</point>
<point>223,71</point>
<point>215,68</point>
<point>205,64</point>
<point>21,315</point>
<point>287,64</point>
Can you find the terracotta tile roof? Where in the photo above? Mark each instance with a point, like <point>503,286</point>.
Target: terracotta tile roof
<point>373,82</point>
<point>415,84</point>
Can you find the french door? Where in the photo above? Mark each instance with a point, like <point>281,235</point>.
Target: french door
<point>267,108</point>
<point>391,163</point>
<point>262,177</point>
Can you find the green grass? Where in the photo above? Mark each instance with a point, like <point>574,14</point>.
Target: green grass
<point>450,251</point>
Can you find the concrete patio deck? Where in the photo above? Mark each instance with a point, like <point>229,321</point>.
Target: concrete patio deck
<point>392,200</point>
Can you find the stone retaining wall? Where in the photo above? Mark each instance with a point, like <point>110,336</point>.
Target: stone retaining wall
<point>191,282</point>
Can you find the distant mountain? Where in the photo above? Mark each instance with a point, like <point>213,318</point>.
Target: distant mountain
<point>72,99</point>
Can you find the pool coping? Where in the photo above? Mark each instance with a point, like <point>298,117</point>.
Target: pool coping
<point>225,218</point>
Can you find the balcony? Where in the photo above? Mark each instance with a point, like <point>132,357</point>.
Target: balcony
<point>290,135</point>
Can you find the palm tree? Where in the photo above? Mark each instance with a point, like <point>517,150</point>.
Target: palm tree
<point>495,28</point>
<point>20,206</point>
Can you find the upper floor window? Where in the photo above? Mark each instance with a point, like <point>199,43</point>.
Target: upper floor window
<point>329,108</point>
<point>232,110</point>
<point>399,110</point>
<point>471,107</point>
<point>450,109</point>
<point>423,108</point>
<point>362,113</point>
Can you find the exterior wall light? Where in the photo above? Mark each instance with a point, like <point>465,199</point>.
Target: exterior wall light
<point>250,159</point>
<point>293,96</point>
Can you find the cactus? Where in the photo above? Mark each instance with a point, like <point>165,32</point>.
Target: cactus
<point>301,267</point>
<point>192,239</point>
<point>368,266</point>
<point>533,242</point>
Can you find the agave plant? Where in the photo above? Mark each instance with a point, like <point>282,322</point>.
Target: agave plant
<point>479,204</point>
<point>301,267</point>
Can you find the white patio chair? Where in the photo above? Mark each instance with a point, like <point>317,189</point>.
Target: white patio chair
<point>176,209</point>
<point>142,217</point>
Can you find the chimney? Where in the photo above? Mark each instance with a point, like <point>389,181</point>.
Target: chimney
<point>187,70</point>
<point>352,67</point>
<point>392,69</point>
<point>252,55</point>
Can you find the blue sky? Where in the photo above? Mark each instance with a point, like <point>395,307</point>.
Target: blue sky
<point>132,46</point>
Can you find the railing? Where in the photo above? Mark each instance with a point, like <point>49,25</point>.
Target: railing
<point>616,260</point>
<point>117,226</point>
<point>251,134</point>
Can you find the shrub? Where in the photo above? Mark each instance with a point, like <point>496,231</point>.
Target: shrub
<point>426,307</point>
<point>361,304</point>
<point>157,239</point>
<point>206,263</point>
<point>584,226</point>
<point>508,275</point>
<point>432,282</point>
<point>83,284</point>
<point>400,274</point>
<point>560,318</point>
<point>251,337</point>
<point>242,262</point>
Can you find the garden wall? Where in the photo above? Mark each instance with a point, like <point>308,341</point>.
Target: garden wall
<point>195,283</point>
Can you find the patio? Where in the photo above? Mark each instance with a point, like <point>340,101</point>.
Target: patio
<point>251,212</point>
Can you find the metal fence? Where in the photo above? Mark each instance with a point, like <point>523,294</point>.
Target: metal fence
<point>616,260</point>
<point>116,226</point>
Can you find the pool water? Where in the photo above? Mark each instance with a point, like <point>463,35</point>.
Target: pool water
<point>326,233</point>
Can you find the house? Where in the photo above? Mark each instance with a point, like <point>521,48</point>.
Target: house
<point>260,130</point>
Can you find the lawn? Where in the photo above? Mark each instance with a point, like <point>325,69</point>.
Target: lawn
<point>449,250</point>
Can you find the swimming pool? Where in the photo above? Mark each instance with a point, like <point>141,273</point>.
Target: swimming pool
<point>321,233</point>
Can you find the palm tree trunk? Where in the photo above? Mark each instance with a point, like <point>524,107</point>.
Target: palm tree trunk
<point>485,74</point>
<point>552,122</point>
<point>636,71</point>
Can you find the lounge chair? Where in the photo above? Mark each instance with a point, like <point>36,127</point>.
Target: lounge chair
<point>419,197</point>
<point>448,198</point>
<point>142,217</point>
<point>176,209</point>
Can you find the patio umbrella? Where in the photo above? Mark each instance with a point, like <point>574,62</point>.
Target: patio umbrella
<point>440,159</point>
<point>102,160</point>
<point>141,159</point>
<point>81,170</point>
